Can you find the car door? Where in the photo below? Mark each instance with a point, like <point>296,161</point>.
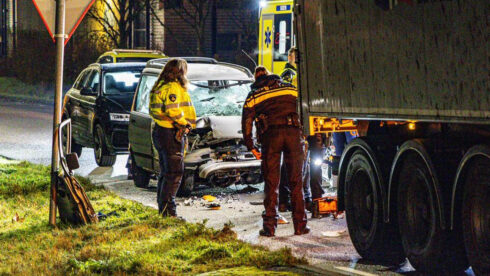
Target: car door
<point>87,104</point>
<point>140,124</point>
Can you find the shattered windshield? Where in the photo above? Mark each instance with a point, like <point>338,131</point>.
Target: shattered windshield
<point>218,98</point>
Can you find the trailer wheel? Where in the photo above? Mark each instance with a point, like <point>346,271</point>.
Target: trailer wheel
<point>476,215</point>
<point>427,246</point>
<point>372,238</point>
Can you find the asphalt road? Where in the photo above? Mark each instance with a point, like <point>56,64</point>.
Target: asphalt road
<point>26,134</point>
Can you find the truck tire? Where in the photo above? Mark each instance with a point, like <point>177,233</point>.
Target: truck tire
<point>141,178</point>
<point>103,157</point>
<point>187,184</point>
<point>476,216</point>
<point>428,247</point>
<point>372,238</point>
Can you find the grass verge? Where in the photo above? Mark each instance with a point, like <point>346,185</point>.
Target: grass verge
<point>14,89</point>
<point>134,241</point>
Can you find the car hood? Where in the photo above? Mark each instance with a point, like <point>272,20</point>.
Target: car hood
<point>223,127</point>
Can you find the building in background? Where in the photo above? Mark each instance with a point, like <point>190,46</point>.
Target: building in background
<point>212,28</point>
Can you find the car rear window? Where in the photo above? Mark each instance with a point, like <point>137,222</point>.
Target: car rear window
<point>121,82</point>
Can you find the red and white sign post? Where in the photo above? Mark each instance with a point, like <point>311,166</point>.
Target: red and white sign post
<point>53,14</point>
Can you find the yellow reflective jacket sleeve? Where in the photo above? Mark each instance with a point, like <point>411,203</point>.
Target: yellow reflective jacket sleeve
<point>170,104</point>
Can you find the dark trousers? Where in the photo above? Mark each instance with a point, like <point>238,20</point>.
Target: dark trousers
<point>171,158</point>
<point>286,141</point>
<point>312,174</point>
<point>285,191</point>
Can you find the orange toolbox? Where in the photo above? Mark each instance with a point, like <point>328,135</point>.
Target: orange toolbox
<point>325,206</point>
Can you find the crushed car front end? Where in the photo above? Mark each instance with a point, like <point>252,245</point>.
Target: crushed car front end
<point>217,154</point>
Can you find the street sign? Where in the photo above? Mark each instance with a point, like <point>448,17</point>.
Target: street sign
<point>75,11</point>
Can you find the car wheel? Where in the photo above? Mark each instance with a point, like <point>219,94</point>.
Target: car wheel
<point>187,184</point>
<point>141,177</point>
<point>372,238</point>
<point>102,155</point>
<point>476,216</point>
<point>428,247</point>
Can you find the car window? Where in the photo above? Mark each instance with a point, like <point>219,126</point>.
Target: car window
<point>94,81</point>
<point>133,59</point>
<point>143,96</point>
<point>106,59</point>
<point>82,78</point>
<point>121,82</point>
<point>218,98</point>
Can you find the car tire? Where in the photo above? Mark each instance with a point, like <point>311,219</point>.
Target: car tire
<point>103,157</point>
<point>187,184</point>
<point>476,226</point>
<point>373,239</point>
<point>141,178</point>
<point>428,247</point>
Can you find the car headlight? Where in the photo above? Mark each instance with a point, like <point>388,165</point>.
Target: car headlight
<point>119,117</point>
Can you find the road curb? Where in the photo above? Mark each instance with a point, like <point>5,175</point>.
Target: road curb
<point>22,99</point>
<point>6,160</point>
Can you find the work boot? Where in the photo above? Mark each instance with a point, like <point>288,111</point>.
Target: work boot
<point>308,205</point>
<point>303,231</point>
<point>265,233</point>
<point>168,210</point>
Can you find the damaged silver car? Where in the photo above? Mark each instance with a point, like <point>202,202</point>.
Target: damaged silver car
<point>216,155</point>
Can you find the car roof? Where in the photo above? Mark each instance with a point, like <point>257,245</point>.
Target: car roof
<point>133,53</point>
<point>120,66</point>
<point>205,69</point>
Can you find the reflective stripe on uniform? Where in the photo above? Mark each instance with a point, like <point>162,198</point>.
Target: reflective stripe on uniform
<point>256,99</point>
<point>157,105</point>
<point>177,105</point>
<point>265,91</point>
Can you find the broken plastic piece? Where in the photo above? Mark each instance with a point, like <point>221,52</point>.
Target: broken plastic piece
<point>209,198</point>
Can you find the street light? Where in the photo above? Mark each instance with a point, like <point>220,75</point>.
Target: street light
<point>262,4</point>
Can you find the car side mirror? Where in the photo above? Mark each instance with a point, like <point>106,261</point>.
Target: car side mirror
<point>87,91</point>
<point>72,161</point>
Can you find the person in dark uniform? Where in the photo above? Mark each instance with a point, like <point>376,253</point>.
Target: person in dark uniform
<point>272,106</point>
<point>312,171</point>
<point>174,115</point>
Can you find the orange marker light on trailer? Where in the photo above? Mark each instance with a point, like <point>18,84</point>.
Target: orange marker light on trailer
<point>411,126</point>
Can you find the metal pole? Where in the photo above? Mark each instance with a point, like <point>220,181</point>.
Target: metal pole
<point>60,48</point>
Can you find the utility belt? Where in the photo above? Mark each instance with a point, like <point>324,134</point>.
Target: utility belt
<point>263,123</point>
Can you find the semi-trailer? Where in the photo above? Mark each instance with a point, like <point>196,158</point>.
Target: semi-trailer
<point>412,78</point>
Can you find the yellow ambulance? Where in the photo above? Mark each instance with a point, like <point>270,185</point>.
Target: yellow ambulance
<point>276,35</point>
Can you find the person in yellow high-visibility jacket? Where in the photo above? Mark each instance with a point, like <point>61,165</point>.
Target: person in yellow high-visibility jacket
<point>174,115</point>
<point>290,74</point>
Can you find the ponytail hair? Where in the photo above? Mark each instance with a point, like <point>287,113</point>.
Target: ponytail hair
<point>174,70</point>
